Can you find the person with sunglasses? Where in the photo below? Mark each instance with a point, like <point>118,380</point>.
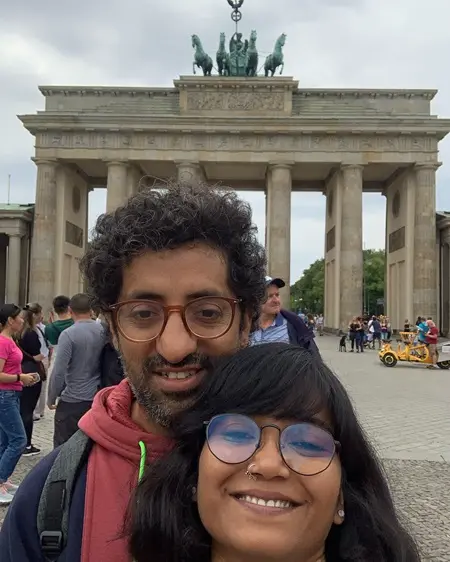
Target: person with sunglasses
<point>270,464</point>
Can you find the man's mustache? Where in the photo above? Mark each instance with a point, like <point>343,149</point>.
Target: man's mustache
<point>156,362</point>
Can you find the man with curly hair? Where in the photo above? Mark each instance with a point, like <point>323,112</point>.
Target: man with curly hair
<point>179,275</point>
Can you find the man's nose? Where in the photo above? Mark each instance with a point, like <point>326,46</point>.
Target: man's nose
<point>176,342</point>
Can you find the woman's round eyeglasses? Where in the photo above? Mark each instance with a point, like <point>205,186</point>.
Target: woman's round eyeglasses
<point>305,448</point>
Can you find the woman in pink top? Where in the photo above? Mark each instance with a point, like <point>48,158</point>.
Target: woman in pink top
<point>12,432</point>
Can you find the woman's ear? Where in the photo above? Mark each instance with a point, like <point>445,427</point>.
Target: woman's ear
<point>339,516</point>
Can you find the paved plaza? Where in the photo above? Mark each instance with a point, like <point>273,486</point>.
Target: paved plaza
<point>406,411</point>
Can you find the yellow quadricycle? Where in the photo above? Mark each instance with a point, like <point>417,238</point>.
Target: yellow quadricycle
<point>408,350</point>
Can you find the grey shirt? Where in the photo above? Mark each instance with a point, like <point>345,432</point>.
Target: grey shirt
<point>76,373</point>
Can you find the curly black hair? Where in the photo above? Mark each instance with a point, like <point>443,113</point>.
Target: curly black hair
<point>160,219</point>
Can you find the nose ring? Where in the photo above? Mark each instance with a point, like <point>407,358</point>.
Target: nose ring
<point>249,473</point>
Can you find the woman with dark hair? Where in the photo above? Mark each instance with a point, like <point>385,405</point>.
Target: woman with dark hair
<point>12,432</point>
<point>30,345</point>
<point>270,464</point>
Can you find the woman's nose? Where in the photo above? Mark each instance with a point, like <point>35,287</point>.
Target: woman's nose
<point>267,460</point>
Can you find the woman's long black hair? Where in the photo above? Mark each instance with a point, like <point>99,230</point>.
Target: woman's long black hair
<point>284,382</point>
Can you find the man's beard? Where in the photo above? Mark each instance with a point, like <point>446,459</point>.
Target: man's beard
<point>158,406</point>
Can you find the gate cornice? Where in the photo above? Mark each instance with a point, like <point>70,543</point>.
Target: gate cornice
<point>258,125</point>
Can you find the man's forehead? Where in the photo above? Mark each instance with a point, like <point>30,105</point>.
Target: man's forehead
<point>273,290</point>
<point>181,274</point>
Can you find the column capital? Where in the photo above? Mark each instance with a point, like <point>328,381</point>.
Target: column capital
<point>350,166</point>
<point>16,235</point>
<point>187,163</point>
<point>283,165</point>
<point>45,161</point>
<point>109,163</point>
<point>427,166</point>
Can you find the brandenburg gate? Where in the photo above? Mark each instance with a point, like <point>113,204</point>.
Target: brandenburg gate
<point>249,133</point>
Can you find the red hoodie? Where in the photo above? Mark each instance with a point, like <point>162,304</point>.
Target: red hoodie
<point>113,470</point>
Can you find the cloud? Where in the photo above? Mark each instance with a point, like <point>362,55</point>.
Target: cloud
<point>330,43</point>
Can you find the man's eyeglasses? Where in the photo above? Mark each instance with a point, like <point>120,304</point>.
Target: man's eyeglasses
<point>145,320</point>
<point>306,448</point>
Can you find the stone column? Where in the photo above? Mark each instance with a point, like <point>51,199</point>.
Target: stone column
<point>134,177</point>
<point>190,172</point>
<point>425,267</point>
<point>3,252</point>
<point>351,253</point>
<point>117,185</point>
<point>13,269</point>
<point>278,221</point>
<point>43,247</point>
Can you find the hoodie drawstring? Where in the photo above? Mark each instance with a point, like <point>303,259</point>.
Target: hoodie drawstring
<point>143,460</point>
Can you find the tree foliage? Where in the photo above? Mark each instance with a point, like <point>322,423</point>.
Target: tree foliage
<point>307,293</point>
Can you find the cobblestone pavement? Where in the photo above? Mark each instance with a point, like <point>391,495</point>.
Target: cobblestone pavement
<point>406,412</point>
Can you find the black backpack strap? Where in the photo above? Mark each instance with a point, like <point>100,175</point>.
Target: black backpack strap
<point>56,496</point>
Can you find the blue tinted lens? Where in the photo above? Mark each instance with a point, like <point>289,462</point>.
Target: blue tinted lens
<point>232,438</point>
<point>307,448</point>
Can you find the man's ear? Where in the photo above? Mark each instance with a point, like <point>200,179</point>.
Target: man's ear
<point>112,330</point>
<point>246,325</point>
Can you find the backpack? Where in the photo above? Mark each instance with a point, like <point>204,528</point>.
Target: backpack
<point>56,495</point>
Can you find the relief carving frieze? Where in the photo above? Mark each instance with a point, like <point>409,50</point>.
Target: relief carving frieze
<point>235,101</point>
<point>237,141</point>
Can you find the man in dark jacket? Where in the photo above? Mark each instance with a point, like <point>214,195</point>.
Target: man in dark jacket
<point>110,365</point>
<point>279,325</point>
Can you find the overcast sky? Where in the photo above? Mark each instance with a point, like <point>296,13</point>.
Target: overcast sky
<point>330,43</point>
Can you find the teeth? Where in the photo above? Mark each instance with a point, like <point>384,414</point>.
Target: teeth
<point>280,504</point>
<point>178,376</point>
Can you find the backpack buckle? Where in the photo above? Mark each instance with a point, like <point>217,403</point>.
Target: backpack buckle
<point>51,542</point>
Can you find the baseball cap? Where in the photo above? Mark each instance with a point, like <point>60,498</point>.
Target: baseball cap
<point>275,281</point>
<point>8,310</point>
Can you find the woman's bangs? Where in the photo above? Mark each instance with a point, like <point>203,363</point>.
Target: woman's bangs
<point>276,380</point>
<point>305,399</point>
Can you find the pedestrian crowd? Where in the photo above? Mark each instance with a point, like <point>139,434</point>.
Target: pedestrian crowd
<point>228,439</point>
<point>57,365</point>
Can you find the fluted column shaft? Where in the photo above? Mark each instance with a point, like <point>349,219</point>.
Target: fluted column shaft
<point>278,225</point>
<point>351,259</point>
<point>43,247</point>
<point>13,269</point>
<point>117,185</point>
<point>425,266</point>
<point>190,172</point>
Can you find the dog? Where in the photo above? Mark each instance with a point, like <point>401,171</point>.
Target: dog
<point>342,343</point>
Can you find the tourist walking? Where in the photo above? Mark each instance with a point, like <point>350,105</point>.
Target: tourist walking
<point>353,328</point>
<point>432,341</point>
<point>39,411</point>
<point>75,376</point>
<point>360,335</point>
<point>12,432</point>
<point>55,328</point>
<point>375,332</point>
<point>30,346</point>
<point>319,324</point>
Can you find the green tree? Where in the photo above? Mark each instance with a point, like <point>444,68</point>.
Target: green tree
<point>308,292</point>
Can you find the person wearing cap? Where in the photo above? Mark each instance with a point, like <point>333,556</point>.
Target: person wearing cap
<point>278,325</point>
